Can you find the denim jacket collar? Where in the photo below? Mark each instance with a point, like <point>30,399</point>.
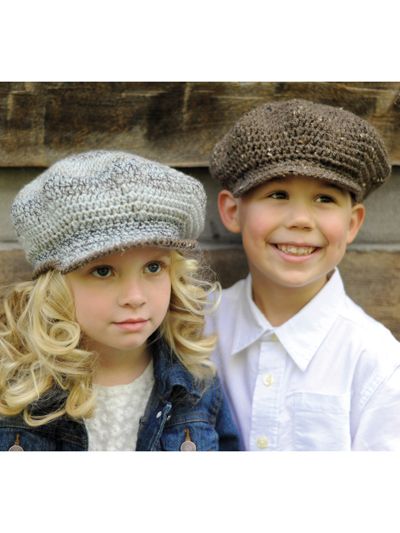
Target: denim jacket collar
<point>170,375</point>
<point>171,378</point>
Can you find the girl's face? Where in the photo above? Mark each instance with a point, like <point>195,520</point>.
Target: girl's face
<point>121,299</point>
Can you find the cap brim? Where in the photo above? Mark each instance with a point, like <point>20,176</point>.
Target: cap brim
<point>84,252</point>
<point>256,177</point>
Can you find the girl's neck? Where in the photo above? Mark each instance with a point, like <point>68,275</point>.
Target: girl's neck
<point>120,368</point>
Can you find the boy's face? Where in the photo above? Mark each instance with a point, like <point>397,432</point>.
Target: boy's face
<point>121,299</point>
<point>294,230</point>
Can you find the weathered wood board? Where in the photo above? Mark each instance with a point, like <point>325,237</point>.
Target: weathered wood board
<point>177,123</point>
<point>372,279</point>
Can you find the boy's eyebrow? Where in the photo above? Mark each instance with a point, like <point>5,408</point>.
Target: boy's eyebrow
<point>278,179</point>
<point>323,183</point>
<point>330,185</point>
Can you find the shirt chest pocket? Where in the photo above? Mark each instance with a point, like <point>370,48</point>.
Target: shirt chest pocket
<point>321,422</point>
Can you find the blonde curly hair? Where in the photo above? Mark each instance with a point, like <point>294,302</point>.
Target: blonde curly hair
<point>41,341</point>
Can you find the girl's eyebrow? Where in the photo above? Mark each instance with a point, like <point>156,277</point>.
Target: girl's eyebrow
<point>162,254</point>
<point>97,262</point>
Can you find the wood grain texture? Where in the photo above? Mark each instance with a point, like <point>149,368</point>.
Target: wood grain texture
<point>372,279</point>
<point>177,123</point>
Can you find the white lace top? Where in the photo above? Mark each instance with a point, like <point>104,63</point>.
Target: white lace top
<point>115,424</point>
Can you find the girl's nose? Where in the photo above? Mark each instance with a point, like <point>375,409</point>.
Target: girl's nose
<point>131,294</point>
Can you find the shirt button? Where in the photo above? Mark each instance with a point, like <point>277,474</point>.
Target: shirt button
<point>268,380</point>
<point>273,337</point>
<point>158,414</point>
<point>262,442</point>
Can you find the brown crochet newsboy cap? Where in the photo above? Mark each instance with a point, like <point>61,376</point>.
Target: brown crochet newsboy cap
<point>298,137</point>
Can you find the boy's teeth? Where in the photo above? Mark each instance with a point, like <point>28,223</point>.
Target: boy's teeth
<point>295,250</point>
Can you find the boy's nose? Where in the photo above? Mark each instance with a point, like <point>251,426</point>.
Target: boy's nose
<point>300,216</point>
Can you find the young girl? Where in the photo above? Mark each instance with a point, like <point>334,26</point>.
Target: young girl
<point>104,350</point>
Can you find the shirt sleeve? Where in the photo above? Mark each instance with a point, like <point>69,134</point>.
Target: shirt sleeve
<point>379,424</point>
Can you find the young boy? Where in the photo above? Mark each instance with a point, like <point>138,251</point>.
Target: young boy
<point>303,366</point>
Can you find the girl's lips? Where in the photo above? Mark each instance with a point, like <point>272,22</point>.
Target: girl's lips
<point>131,325</point>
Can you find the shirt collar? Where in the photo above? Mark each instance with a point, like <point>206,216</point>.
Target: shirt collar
<point>250,324</point>
<point>303,334</point>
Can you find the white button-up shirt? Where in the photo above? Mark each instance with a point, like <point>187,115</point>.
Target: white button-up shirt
<point>327,379</point>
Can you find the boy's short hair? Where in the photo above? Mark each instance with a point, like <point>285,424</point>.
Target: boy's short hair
<point>298,137</point>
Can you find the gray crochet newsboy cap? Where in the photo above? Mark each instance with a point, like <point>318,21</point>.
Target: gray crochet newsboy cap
<point>298,137</point>
<point>99,202</point>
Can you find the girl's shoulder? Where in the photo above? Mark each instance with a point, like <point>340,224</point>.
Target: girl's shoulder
<point>62,434</point>
<point>17,435</point>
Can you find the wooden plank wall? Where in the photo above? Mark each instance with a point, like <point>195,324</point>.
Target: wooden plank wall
<point>178,124</point>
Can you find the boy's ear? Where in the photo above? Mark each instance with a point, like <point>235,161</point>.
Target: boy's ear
<point>356,221</point>
<point>229,211</point>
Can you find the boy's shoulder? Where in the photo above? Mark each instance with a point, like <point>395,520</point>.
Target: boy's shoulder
<point>371,335</point>
<point>227,314</point>
<point>235,291</point>
<point>233,299</point>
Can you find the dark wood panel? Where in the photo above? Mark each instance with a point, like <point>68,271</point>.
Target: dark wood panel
<point>174,122</point>
<point>372,279</point>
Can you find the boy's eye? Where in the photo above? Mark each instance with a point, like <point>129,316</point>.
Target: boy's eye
<point>279,195</point>
<point>325,199</point>
<point>102,271</point>
<point>153,268</point>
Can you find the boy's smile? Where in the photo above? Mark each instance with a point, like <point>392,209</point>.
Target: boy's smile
<point>296,252</point>
<point>294,231</point>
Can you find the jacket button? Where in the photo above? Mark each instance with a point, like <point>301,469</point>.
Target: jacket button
<point>16,446</point>
<point>188,445</point>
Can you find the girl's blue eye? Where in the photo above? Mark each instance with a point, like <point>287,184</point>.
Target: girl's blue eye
<point>102,271</point>
<point>153,268</point>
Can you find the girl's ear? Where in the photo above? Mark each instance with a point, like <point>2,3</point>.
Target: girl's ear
<point>356,221</point>
<point>228,207</point>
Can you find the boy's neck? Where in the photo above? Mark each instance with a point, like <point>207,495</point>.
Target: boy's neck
<point>280,304</point>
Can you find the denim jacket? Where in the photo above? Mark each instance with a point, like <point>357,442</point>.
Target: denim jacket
<point>179,412</point>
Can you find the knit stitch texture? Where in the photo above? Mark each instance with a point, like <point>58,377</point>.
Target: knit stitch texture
<point>99,202</point>
<point>298,137</point>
